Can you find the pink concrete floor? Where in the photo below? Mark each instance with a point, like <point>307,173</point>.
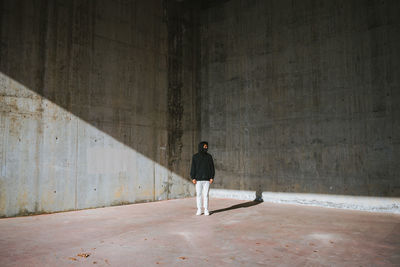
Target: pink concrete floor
<point>167,233</point>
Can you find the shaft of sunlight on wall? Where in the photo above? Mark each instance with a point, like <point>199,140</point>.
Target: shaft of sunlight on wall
<point>51,160</point>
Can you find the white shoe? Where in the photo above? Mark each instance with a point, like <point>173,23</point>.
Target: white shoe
<point>198,212</point>
<point>206,213</point>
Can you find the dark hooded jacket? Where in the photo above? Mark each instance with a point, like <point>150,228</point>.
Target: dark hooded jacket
<point>202,165</point>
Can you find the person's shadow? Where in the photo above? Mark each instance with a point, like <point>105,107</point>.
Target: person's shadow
<point>238,206</point>
<point>256,201</point>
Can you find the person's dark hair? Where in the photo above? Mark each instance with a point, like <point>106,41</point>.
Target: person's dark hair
<point>201,148</point>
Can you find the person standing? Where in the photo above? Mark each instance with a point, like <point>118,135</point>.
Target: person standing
<point>202,173</point>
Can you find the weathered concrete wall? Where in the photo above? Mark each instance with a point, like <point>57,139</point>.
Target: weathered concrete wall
<point>100,100</point>
<point>303,96</point>
<point>85,108</point>
<point>183,72</point>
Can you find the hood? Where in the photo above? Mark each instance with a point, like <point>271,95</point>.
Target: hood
<point>201,149</point>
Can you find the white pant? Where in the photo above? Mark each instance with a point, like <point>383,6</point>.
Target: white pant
<point>202,188</point>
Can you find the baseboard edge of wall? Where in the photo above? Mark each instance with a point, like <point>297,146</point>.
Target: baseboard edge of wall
<point>362,203</point>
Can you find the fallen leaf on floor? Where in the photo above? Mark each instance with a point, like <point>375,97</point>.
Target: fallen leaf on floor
<point>182,258</point>
<point>257,243</point>
<point>287,246</point>
<point>83,255</point>
<point>157,262</point>
<point>95,262</point>
<point>331,242</point>
<point>72,258</point>
<point>315,250</point>
<point>106,261</point>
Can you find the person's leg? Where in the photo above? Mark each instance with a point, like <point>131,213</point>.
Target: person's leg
<point>206,189</point>
<point>198,197</point>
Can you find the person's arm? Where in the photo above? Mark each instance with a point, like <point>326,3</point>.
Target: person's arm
<point>193,170</point>
<point>212,171</point>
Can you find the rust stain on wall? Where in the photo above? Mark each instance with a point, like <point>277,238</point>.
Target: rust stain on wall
<point>22,202</point>
<point>48,199</point>
<point>119,192</point>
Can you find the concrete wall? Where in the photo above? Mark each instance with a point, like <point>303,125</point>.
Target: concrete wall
<point>103,102</point>
<point>303,96</point>
<point>87,102</point>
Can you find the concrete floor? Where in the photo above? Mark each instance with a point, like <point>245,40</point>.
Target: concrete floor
<point>167,233</point>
